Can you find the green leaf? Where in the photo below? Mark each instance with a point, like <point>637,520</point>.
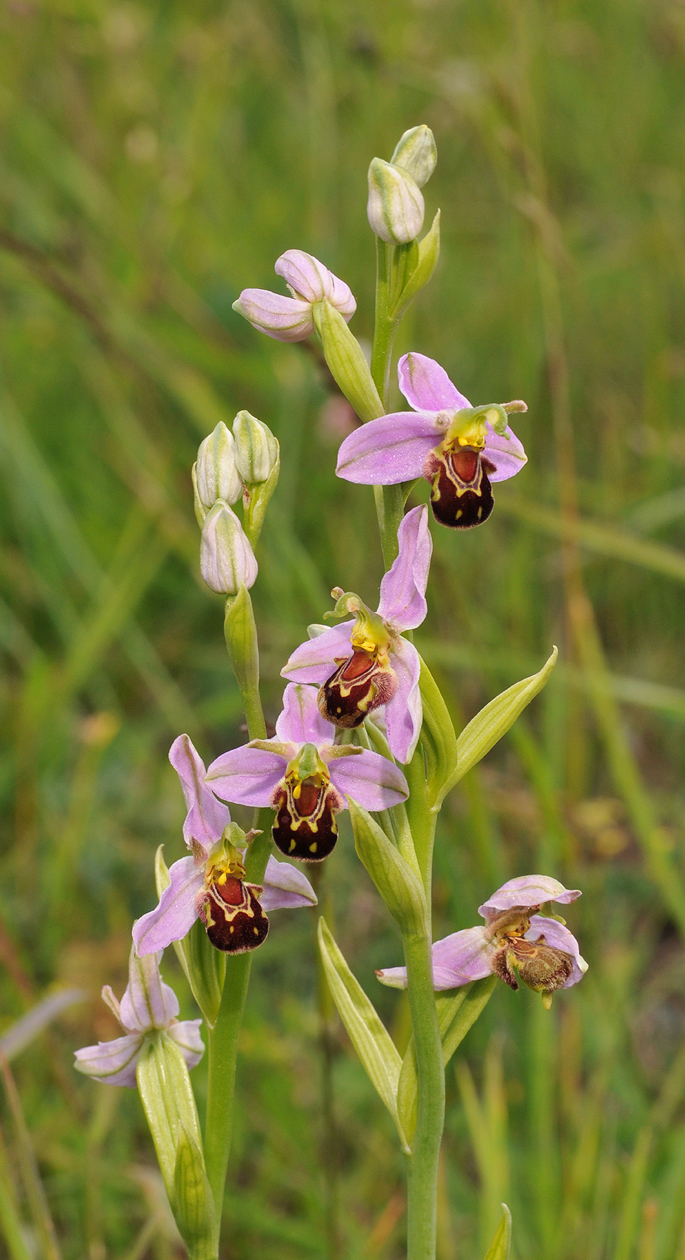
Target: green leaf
<point>376,1049</point>
<point>168,1101</point>
<point>346,361</point>
<point>204,966</point>
<point>438,740</point>
<point>458,1010</point>
<point>398,885</point>
<point>428,255</point>
<point>193,1202</point>
<point>500,1247</point>
<point>488,726</point>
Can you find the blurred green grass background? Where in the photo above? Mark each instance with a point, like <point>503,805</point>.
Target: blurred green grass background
<point>156,159</point>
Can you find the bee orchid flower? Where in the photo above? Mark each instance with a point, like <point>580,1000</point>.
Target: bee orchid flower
<point>210,885</point>
<point>305,777</point>
<point>458,448</point>
<point>291,318</point>
<point>516,943</point>
<point>365,663</point>
<point>148,1007</point>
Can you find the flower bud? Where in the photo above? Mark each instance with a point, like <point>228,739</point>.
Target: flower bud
<point>395,206</point>
<point>215,475</point>
<point>227,560</point>
<point>416,153</point>
<point>256,449</point>
<point>310,280</point>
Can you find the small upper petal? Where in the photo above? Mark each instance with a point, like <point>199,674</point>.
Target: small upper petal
<point>559,937</point>
<point>314,661</point>
<point>404,713</point>
<point>426,386</point>
<point>527,890</point>
<point>390,449</point>
<point>176,911</point>
<point>505,451</point>
<point>148,1002</point>
<point>186,1034</point>
<point>285,887</point>
<point>247,776</point>
<point>371,780</point>
<point>403,589</point>
<point>280,317</point>
<point>300,721</point>
<point>206,817</point>
<point>111,1062</point>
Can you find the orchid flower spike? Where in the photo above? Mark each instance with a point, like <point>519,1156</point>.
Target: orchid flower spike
<point>517,943</point>
<point>210,885</point>
<point>291,318</point>
<point>305,777</point>
<point>365,663</point>
<point>148,1007</point>
<point>458,448</point>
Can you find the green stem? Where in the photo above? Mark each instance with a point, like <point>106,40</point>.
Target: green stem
<point>423,1161</point>
<point>389,499</point>
<point>241,640</point>
<point>223,1050</point>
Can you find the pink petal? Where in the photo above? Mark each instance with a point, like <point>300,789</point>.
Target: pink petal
<point>369,779</point>
<point>426,386</point>
<point>313,281</point>
<point>285,887</point>
<point>314,661</point>
<point>403,589</point>
<point>300,721</point>
<point>527,890</point>
<point>186,1034</point>
<point>148,1002</point>
<point>111,1062</point>
<point>247,776</point>
<point>390,449</point>
<point>404,713</point>
<point>393,977</point>
<point>206,817</point>
<point>461,957</point>
<point>457,959</point>
<point>505,452</point>
<point>176,912</point>
<point>559,937</point>
<point>283,318</point>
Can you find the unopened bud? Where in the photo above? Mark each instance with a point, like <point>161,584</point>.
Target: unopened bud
<point>215,475</point>
<point>256,448</point>
<point>227,560</point>
<point>416,153</point>
<point>395,206</point>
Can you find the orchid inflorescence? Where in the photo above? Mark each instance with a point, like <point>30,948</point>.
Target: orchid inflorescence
<point>363,728</point>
